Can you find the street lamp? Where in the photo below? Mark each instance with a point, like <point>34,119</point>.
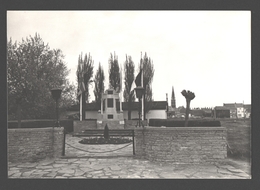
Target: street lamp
<point>56,92</point>
<point>139,91</point>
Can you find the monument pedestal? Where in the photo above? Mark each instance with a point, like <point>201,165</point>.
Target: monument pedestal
<point>111,111</point>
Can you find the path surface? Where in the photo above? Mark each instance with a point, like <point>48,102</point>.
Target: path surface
<point>120,164</point>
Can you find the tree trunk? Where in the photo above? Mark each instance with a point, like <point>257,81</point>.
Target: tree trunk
<point>18,114</point>
<point>187,112</point>
<point>144,106</point>
<point>129,107</point>
<point>83,105</point>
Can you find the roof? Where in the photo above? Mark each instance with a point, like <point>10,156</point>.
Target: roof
<point>232,105</point>
<point>197,112</point>
<point>247,106</point>
<point>181,109</point>
<point>156,105</point>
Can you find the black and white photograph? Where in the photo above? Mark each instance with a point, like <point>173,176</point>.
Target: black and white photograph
<point>102,94</point>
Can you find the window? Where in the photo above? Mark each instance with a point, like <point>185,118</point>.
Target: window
<point>110,103</point>
<point>109,92</point>
<point>117,105</point>
<point>110,117</point>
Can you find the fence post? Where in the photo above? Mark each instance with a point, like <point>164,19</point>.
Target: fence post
<point>64,137</point>
<point>133,137</point>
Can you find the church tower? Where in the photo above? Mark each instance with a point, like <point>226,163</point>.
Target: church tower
<point>173,102</point>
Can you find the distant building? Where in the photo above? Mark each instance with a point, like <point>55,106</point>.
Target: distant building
<point>197,113</point>
<point>172,109</point>
<point>180,111</point>
<point>221,112</point>
<point>247,110</point>
<point>237,110</point>
<point>173,101</point>
<point>207,112</point>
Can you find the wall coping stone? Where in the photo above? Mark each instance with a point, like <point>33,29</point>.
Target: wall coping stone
<point>181,128</point>
<point>37,129</point>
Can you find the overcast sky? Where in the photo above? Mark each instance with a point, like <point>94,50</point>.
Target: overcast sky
<point>206,52</point>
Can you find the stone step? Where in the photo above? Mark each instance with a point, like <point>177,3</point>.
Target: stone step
<point>112,124</point>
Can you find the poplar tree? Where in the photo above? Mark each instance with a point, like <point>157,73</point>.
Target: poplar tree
<point>148,73</point>
<point>99,85</point>
<point>129,96</point>
<point>114,75</point>
<point>84,74</point>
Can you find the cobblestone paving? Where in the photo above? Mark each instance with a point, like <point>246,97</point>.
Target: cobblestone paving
<point>79,164</point>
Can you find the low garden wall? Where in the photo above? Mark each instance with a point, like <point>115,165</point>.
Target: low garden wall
<point>181,145</point>
<point>79,126</point>
<point>34,144</point>
<point>41,123</point>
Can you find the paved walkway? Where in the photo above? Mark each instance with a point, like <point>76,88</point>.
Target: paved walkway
<point>120,164</point>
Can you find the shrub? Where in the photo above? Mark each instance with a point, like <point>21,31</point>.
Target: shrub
<point>106,133</point>
<point>181,123</point>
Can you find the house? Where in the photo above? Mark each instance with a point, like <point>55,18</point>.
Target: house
<point>247,110</point>
<point>236,110</point>
<point>157,110</point>
<point>171,112</point>
<point>197,113</point>
<point>207,112</point>
<point>221,112</point>
<point>180,112</point>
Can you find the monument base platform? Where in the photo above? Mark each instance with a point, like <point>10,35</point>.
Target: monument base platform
<point>112,124</point>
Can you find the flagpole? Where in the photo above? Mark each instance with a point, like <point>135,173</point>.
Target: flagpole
<point>120,99</point>
<point>142,84</point>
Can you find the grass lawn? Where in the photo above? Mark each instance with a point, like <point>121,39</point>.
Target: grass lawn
<point>238,138</point>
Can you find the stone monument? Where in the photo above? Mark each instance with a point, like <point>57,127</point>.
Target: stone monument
<point>111,112</point>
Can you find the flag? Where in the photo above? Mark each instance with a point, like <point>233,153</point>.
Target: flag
<point>137,81</point>
<point>82,88</point>
<point>133,86</point>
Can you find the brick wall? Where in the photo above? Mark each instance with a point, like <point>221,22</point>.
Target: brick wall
<point>34,144</point>
<point>181,145</point>
<point>79,126</point>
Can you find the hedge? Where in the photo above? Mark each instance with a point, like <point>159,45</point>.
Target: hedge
<point>181,123</point>
<point>68,124</point>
